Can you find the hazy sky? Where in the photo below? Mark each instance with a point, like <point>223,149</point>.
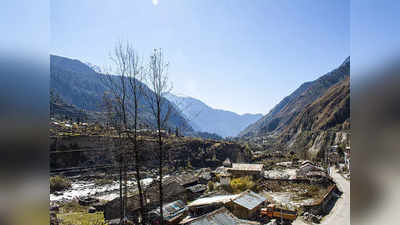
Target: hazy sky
<point>242,56</point>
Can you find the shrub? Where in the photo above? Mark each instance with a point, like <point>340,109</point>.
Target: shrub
<point>59,183</point>
<point>241,184</point>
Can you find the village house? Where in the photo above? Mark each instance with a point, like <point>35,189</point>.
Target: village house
<point>247,205</point>
<point>173,213</point>
<point>227,163</point>
<point>219,216</point>
<point>244,169</point>
<point>196,190</point>
<point>187,180</point>
<point>172,191</point>
<point>205,177</point>
<point>307,167</point>
<point>225,178</point>
<point>205,205</point>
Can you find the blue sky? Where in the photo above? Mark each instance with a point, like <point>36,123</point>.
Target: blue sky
<point>242,56</point>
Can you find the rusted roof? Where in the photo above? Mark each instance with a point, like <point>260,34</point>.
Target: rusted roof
<point>247,167</point>
<point>249,199</point>
<point>221,216</point>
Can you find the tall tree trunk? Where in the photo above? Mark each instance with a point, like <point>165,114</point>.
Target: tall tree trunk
<point>137,165</point>
<point>120,189</point>
<point>160,144</point>
<point>125,185</point>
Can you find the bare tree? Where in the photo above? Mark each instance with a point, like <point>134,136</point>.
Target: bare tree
<point>126,89</point>
<point>136,86</point>
<point>157,80</point>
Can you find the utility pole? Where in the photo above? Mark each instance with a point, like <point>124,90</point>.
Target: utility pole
<point>327,161</point>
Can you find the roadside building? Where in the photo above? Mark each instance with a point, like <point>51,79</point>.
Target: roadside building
<point>307,167</point>
<point>347,158</point>
<point>247,205</point>
<point>173,213</point>
<point>219,216</point>
<point>244,169</point>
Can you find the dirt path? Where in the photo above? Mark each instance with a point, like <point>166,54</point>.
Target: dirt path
<point>340,214</point>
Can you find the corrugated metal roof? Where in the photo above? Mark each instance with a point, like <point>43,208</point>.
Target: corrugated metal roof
<point>172,209</point>
<point>220,216</point>
<point>247,167</point>
<point>197,188</point>
<point>211,200</point>
<point>184,179</point>
<point>249,200</point>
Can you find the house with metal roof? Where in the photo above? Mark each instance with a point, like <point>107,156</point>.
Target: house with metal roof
<point>221,216</point>
<point>205,205</point>
<point>173,213</point>
<point>187,179</point>
<point>246,169</point>
<point>196,190</point>
<point>247,204</point>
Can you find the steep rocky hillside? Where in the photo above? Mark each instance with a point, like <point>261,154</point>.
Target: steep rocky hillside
<point>94,151</point>
<point>290,107</point>
<point>206,119</point>
<point>323,123</point>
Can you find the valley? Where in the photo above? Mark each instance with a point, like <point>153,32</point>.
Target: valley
<point>295,158</point>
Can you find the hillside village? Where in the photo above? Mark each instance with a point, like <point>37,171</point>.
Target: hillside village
<point>292,166</point>
<point>238,189</point>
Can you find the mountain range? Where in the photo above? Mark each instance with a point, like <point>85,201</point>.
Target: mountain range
<point>76,88</point>
<point>286,110</point>
<point>312,118</point>
<point>207,119</point>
